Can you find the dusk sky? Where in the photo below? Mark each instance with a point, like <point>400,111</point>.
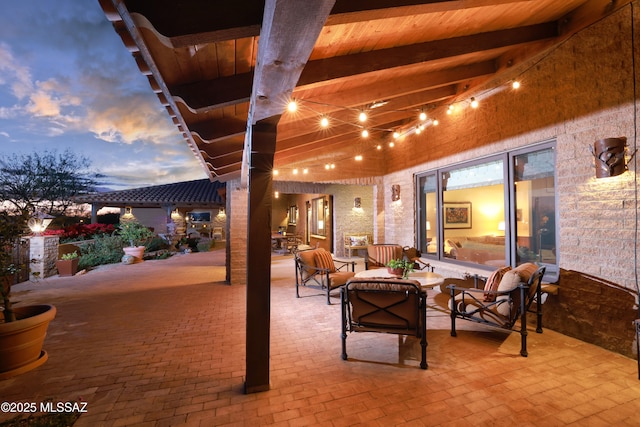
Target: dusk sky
<point>67,81</point>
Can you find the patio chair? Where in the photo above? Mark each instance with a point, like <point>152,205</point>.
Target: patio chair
<point>506,297</point>
<point>379,254</point>
<point>393,306</point>
<point>413,254</point>
<point>316,267</point>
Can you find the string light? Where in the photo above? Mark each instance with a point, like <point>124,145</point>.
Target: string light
<point>365,133</point>
<point>292,106</point>
<point>423,116</point>
<point>396,135</point>
<point>392,144</point>
<point>295,171</point>
<point>474,103</point>
<point>362,116</point>
<point>515,84</point>
<point>275,172</point>
<point>358,157</point>
<point>324,122</point>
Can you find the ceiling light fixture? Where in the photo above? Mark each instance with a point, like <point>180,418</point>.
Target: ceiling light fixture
<point>324,122</point>
<point>378,104</point>
<point>423,116</point>
<point>292,106</point>
<point>362,116</point>
<point>365,133</point>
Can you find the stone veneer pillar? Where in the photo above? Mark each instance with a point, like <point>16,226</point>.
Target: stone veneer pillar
<point>43,253</point>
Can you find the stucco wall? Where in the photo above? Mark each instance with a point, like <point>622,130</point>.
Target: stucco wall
<point>577,93</point>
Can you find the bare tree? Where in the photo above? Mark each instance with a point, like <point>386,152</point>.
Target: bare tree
<point>45,181</point>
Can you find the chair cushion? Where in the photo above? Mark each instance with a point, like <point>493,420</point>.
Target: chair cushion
<point>510,281</point>
<point>339,278</point>
<point>324,260</point>
<point>526,270</point>
<point>493,282</point>
<point>359,240</point>
<point>308,258</point>
<point>385,253</point>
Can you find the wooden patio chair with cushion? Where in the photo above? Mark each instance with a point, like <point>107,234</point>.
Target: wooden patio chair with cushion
<point>506,297</point>
<point>393,306</point>
<point>379,254</point>
<point>316,267</point>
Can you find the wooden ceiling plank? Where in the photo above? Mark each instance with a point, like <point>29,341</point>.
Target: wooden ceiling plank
<point>365,62</point>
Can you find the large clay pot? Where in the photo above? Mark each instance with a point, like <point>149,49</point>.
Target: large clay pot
<point>21,341</point>
<point>137,252</point>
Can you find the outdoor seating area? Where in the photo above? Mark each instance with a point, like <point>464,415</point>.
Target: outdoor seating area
<point>161,371</point>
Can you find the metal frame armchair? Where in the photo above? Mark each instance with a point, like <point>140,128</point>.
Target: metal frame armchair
<point>379,254</point>
<point>316,267</point>
<point>501,308</point>
<point>391,306</point>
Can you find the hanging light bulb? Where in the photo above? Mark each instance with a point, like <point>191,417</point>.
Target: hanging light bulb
<point>293,106</point>
<point>333,166</point>
<point>396,135</point>
<point>418,130</point>
<point>362,116</point>
<point>358,157</point>
<point>305,171</point>
<point>515,84</point>
<point>392,144</point>
<point>275,172</point>
<point>324,122</point>
<point>379,147</point>
<point>295,171</point>
<point>423,116</point>
<point>327,166</point>
<point>365,133</point>
<point>436,122</point>
<point>450,109</point>
<point>474,103</point>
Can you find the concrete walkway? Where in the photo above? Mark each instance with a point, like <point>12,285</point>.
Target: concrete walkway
<point>162,343</point>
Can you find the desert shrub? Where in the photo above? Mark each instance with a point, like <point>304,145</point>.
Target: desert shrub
<point>104,249</point>
<point>156,244</point>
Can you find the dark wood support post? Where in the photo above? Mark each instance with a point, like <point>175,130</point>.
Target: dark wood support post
<point>263,144</point>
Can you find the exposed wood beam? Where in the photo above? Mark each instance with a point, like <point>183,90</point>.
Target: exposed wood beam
<point>193,22</point>
<point>389,88</point>
<point>366,62</point>
<point>219,129</point>
<point>205,95</point>
<point>349,11</point>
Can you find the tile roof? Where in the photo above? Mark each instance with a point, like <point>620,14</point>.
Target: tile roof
<point>199,192</point>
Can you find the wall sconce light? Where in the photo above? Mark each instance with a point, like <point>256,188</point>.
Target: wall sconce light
<point>127,210</point>
<point>39,222</point>
<point>395,192</point>
<point>357,203</point>
<point>609,155</point>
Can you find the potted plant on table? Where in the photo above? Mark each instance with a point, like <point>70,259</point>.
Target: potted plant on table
<point>22,329</point>
<point>67,265</point>
<point>400,267</point>
<point>136,235</point>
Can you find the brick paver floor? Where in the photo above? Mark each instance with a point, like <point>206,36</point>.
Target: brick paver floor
<point>161,343</point>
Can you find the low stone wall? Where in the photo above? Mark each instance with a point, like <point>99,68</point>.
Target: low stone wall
<point>593,310</point>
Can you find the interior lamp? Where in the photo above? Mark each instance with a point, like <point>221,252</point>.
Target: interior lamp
<point>501,226</point>
<point>39,222</point>
<point>428,225</point>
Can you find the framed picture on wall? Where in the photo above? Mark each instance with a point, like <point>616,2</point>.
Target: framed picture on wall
<point>457,215</point>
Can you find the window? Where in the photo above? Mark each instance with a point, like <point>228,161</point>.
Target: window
<point>491,212</point>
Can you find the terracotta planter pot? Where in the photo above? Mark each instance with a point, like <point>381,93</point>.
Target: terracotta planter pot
<point>137,252</point>
<point>21,341</point>
<point>67,267</point>
<point>395,271</point>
